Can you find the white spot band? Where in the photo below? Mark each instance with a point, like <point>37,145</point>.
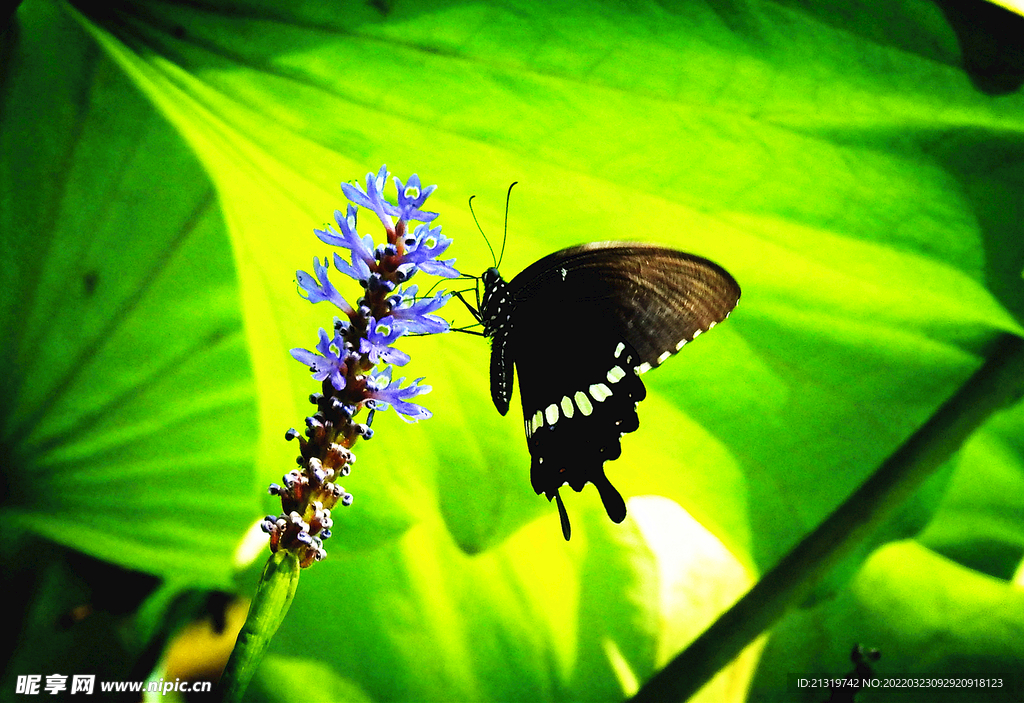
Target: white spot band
<point>583,402</point>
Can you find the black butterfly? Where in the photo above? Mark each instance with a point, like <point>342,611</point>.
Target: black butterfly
<point>580,326</point>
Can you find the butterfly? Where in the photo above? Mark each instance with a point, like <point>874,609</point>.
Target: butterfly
<point>579,327</point>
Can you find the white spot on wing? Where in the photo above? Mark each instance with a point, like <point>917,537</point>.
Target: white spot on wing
<point>538,420</point>
<point>616,374</point>
<point>643,368</point>
<point>661,359</point>
<point>682,343</point>
<point>567,408</point>
<point>551,413</point>
<point>697,334</point>
<point>619,349</point>
<point>583,402</point>
<point>599,391</point>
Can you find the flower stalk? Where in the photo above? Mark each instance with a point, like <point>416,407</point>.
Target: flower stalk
<point>269,605</point>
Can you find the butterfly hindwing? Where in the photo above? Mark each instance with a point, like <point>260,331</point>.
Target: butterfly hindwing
<point>576,410</point>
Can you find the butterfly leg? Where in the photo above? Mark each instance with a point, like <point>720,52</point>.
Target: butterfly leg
<point>475,311</point>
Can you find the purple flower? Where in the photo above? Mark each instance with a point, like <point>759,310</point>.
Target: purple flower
<point>384,392</point>
<point>360,247</point>
<point>329,363</point>
<point>411,197</point>
<point>373,197</point>
<point>316,292</point>
<point>414,313</point>
<point>377,342</point>
<point>357,270</point>
<point>423,248</point>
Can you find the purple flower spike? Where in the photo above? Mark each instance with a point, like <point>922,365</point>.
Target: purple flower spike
<point>354,361</point>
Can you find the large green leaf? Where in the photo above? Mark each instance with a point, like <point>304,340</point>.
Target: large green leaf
<point>839,161</point>
<point>127,419</point>
<point>959,585</point>
<point>835,198</point>
<point>978,522</point>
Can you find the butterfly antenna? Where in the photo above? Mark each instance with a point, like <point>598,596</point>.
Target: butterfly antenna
<point>481,230</point>
<point>504,236</point>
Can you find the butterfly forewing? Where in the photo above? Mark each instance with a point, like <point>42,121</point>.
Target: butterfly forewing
<point>659,298</point>
<point>580,325</point>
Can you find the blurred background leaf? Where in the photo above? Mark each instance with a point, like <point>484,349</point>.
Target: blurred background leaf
<point>857,168</point>
<point>128,410</point>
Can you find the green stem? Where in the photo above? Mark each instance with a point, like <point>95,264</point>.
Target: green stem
<point>269,605</point>
<point>999,382</point>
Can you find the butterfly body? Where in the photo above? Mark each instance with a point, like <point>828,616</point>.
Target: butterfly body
<point>579,326</point>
